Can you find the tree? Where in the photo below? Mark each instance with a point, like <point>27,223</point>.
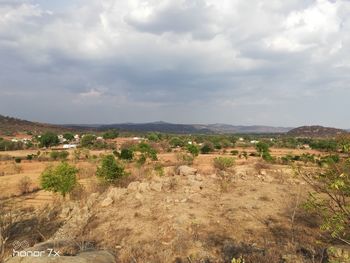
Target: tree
<point>48,139</point>
<point>207,148</point>
<point>126,154</point>
<point>112,134</point>
<point>176,142</point>
<point>68,136</point>
<point>110,170</point>
<point>330,198</point>
<point>59,179</point>
<point>193,149</point>
<point>88,140</point>
<point>264,151</point>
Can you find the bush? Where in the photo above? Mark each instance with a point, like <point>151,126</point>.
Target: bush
<point>112,134</point>
<point>59,179</point>
<point>126,154</point>
<point>148,151</point>
<point>59,155</point>
<point>184,159</point>
<point>24,185</point>
<point>110,171</point>
<point>330,198</point>
<point>176,142</point>
<point>88,140</point>
<point>223,163</point>
<point>234,152</point>
<point>193,149</point>
<point>159,168</point>
<point>68,136</point>
<point>18,160</point>
<point>207,148</point>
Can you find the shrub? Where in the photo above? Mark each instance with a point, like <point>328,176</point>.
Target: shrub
<point>68,136</point>
<point>110,170</point>
<point>207,148</point>
<point>88,140</point>
<point>193,149</point>
<point>183,158</point>
<point>148,151</point>
<point>24,185</point>
<point>59,179</point>
<point>18,159</point>
<point>126,154</point>
<point>176,142</point>
<point>234,152</point>
<point>59,155</point>
<point>330,198</point>
<point>112,134</point>
<point>223,163</point>
<point>159,169</point>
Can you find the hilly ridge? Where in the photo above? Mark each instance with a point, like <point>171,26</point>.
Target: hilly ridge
<point>316,131</point>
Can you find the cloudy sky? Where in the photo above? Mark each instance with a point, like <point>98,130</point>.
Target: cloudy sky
<point>281,63</point>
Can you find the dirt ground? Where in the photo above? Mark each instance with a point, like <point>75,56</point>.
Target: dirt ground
<point>213,216</point>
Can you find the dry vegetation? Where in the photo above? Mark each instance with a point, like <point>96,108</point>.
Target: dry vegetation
<point>228,209</point>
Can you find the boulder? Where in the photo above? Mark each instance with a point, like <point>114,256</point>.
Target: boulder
<point>186,170</point>
<point>107,202</point>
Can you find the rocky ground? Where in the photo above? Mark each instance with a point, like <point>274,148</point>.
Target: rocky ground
<point>192,217</point>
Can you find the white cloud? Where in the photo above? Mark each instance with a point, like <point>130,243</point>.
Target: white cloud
<point>149,53</point>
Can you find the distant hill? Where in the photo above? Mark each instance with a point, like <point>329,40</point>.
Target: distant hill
<point>316,131</point>
<point>191,128</point>
<point>9,125</point>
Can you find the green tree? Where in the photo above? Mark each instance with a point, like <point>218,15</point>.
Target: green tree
<point>59,179</point>
<point>68,136</point>
<point>193,149</point>
<point>126,154</point>
<point>264,151</point>
<point>112,134</point>
<point>176,142</point>
<point>110,170</point>
<point>330,198</point>
<point>88,140</point>
<point>48,139</point>
<point>207,148</point>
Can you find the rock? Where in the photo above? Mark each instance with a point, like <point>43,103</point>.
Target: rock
<point>107,202</point>
<point>139,196</point>
<point>116,193</point>
<point>199,177</point>
<point>156,187</point>
<point>186,170</point>
<point>262,172</point>
<point>133,186</point>
<point>143,187</point>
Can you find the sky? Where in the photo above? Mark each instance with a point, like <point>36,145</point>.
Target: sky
<point>278,63</point>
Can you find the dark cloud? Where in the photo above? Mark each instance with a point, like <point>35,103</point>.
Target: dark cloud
<point>241,62</point>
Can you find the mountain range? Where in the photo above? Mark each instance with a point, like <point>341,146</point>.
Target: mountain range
<point>13,125</point>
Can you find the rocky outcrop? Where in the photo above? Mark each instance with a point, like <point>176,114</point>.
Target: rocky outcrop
<point>186,170</point>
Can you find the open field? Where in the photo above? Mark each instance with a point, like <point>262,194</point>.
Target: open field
<point>252,209</point>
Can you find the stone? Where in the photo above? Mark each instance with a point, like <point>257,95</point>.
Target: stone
<point>116,193</point>
<point>133,186</point>
<point>156,187</point>
<point>107,202</point>
<point>185,170</point>
<point>143,187</point>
